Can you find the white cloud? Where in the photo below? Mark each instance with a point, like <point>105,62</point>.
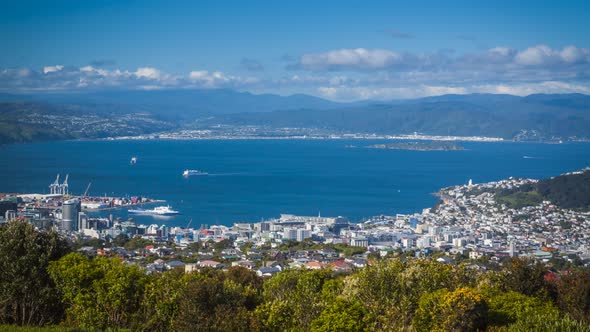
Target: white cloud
<point>495,60</point>
<point>572,54</point>
<point>95,71</point>
<point>534,56</point>
<point>217,79</point>
<point>52,69</point>
<point>543,55</point>
<point>354,93</point>
<point>148,72</point>
<point>548,87</point>
<point>358,58</point>
<point>348,74</point>
<point>501,51</point>
<point>386,93</point>
<point>204,78</point>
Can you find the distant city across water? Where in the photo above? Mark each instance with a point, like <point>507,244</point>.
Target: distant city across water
<point>251,180</point>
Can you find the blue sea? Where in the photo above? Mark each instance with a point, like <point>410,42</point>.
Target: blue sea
<point>251,180</point>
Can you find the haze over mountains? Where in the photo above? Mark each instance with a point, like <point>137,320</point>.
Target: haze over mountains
<point>114,113</point>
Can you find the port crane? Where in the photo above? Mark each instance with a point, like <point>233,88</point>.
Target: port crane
<point>63,188</point>
<point>87,188</point>
<point>54,187</point>
<point>59,189</point>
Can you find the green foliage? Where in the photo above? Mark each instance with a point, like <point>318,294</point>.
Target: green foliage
<point>137,243</point>
<point>306,244</point>
<point>223,244</point>
<point>349,251</point>
<point>540,323</point>
<point>392,295</point>
<point>100,293</point>
<point>574,294</point>
<point>525,276</point>
<point>567,191</point>
<point>218,301</point>
<point>27,294</point>
<point>340,315</point>
<point>13,328</point>
<point>520,199</point>
<point>429,309</point>
<point>513,307</point>
<point>390,290</point>
<point>95,243</point>
<point>159,305</point>
<point>293,299</point>
<point>120,240</point>
<point>464,309</point>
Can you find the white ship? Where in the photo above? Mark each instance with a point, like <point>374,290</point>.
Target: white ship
<point>158,211</point>
<point>191,172</point>
<point>133,161</point>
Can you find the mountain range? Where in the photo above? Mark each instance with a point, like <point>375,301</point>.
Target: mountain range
<point>45,116</point>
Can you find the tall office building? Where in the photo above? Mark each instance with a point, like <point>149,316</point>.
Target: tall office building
<point>70,210</point>
<point>83,222</point>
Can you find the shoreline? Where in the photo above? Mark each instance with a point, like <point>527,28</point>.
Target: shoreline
<point>475,139</point>
<point>171,137</point>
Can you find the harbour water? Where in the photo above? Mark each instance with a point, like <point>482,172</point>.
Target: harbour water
<point>254,179</point>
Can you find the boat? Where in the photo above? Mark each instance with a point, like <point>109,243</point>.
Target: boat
<point>133,161</point>
<point>191,172</point>
<point>158,211</point>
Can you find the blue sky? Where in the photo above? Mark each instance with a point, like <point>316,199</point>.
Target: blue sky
<point>341,50</point>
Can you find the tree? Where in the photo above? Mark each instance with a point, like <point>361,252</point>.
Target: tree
<point>341,315</point>
<point>463,309</point>
<point>120,240</point>
<point>212,301</point>
<point>390,290</point>
<point>137,243</point>
<point>27,294</point>
<point>159,305</point>
<point>100,293</point>
<point>511,307</point>
<point>223,244</point>
<point>429,310</point>
<point>574,294</point>
<point>541,323</point>
<point>292,300</point>
<point>525,276</point>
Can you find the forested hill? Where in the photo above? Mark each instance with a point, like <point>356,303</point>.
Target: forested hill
<point>536,117</point>
<point>89,115</point>
<point>569,191</point>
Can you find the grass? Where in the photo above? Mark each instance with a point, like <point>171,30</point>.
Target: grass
<point>518,200</point>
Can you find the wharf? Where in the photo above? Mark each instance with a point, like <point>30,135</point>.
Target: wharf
<point>122,206</point>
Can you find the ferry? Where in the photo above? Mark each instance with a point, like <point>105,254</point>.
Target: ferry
<point>158,211</point>
<point>190,172</point>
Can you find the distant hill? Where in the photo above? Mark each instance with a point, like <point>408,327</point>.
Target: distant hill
<point>180,104</point>
<point>22,122</point>
<point>571,191</point>
<point>535,117</point>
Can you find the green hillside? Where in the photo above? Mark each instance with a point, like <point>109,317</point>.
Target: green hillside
<point>571,191</point>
